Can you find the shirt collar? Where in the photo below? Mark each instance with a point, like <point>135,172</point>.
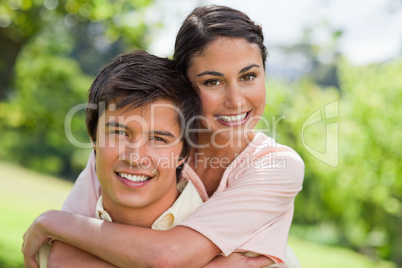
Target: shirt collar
<point>187,202</point>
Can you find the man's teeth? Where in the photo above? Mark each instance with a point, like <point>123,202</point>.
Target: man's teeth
<point>233,118</point>
<point>134,178</point>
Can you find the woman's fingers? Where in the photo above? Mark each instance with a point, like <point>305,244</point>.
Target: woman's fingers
<point>30,263</point>
<point>33,239</point>
<point>29,259</point>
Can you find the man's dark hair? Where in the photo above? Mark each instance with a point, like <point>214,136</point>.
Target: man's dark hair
<point>139,78</point>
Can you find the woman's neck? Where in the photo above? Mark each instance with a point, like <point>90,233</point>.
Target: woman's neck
<point>213,156</point>
<point>222,145</point>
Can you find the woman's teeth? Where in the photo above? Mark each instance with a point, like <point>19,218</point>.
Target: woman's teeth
<point>233,118</point>
<point>134,178</point>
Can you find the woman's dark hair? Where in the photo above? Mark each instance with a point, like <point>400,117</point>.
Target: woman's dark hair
<point>207,23</point>
<point>138,78</point>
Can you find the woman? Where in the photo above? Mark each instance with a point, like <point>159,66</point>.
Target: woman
<point>248,182</point>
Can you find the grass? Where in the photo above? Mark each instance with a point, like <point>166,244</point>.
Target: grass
<point>25,194</point>
<point>314,255</point>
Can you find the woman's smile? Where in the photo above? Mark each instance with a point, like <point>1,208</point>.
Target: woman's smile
<point>233,120</point>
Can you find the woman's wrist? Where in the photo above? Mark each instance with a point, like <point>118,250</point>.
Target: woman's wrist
<point>45,224</point>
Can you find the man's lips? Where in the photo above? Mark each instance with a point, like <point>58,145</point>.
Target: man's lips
<point>133,180</point>
<point>134,177</point>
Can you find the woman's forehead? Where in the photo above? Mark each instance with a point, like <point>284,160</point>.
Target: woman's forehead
<point>223,52</point>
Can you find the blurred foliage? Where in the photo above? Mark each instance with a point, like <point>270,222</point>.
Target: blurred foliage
<point>48,86</point>
<point>103,22</point>
<point>50,50</point>
<point>358,202</point>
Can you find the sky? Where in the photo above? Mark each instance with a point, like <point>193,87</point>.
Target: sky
<point>372,29</point>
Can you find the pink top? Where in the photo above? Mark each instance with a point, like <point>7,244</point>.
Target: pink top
<point>251,210</point>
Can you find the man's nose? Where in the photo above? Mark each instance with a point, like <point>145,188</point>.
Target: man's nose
<point>136,154</point>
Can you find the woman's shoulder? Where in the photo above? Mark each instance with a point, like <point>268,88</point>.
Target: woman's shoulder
<point>263,146</point>
<point>265,160</point>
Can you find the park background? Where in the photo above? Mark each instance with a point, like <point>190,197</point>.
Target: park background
<point>334,88</point>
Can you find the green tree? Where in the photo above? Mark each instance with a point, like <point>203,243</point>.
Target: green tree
<point>357,203</point>
<point>21,20</point>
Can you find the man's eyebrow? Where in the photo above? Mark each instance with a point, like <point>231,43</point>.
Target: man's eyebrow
<point>115,124</point>
<point>157,132</point>
<point>162,133</point>
<point>245,69</point>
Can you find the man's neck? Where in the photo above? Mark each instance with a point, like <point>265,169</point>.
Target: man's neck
<point>143,216</point>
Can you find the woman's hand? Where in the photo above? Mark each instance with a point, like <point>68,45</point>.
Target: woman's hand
<point>34,238</point>
<point>239,260</point>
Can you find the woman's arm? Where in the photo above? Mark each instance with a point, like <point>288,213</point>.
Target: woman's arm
<point>119,244</point>
<point>255,211</point>
<point>63,254</point>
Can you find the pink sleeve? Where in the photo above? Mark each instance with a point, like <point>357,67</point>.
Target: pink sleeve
<point>254,213</point>
<point>86,191</point>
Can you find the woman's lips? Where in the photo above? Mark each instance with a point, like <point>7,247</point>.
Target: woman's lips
<point>233,120</point>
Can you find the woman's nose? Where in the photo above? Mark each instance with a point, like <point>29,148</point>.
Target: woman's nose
<point>234,97</point>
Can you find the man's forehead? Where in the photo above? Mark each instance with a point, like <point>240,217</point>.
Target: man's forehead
<point>149,105</point>
<point>158,114</point>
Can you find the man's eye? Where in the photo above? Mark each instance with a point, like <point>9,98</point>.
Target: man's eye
<point>158,139</point>
<point>118,132</point>
<point>212,82</point>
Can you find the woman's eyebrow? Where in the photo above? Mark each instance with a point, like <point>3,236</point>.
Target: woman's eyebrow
<point>210,73</point>
<point>245,69</point>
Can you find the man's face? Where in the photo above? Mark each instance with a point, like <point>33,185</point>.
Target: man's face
<point>137,152</point>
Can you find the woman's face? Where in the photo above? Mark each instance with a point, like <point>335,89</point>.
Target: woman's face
<point>231,79</point>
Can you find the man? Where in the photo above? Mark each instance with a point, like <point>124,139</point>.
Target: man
<point>138,113</point>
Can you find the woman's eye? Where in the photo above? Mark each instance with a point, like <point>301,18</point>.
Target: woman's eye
<point>248,77</point>
<point>212,82</point>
